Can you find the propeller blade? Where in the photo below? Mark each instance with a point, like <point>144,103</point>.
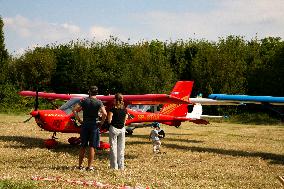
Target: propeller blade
<point>28,119</point>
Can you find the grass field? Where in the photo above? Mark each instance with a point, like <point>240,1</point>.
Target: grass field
<point>219,155</point>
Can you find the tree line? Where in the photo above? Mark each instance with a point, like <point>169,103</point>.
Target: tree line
<point>230,65</point>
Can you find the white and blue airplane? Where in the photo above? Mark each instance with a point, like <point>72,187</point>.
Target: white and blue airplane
<point>267,101</point>
<point>245,99</point>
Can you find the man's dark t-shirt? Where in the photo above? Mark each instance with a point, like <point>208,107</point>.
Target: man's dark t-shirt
<point>90,107</point>
<point>118,117</point>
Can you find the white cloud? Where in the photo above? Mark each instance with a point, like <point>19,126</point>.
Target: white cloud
<point>41,30</point>
<point>100,33</point>
<point>246,18</point>
<point>243,17</point>
<point>35,32</point>
<point>19,24</point>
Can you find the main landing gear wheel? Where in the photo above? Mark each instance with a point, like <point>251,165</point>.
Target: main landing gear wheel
<point>50,143</point>
<point>77,141</point>
<point>104,145</point>
<point>74,141</point>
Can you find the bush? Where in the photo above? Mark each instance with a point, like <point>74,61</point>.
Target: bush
<point>11,101</point>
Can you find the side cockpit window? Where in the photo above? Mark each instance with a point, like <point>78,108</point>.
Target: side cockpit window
<point>67,107</point>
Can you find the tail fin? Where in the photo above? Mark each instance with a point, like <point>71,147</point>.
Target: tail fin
<point>181,90</point>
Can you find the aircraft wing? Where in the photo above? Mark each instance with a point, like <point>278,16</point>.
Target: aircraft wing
<point>151,99</point>
<point>245,99</point>
<point>128,99</point>
<point>208,101</point>
<point>146,99</point>
<point>51,96</point>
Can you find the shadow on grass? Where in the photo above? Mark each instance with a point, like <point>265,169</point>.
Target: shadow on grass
<point>26,142</point>
<point>31,142</point>
<point>146,137</point>
<point>182,140</point>
<point>138,142</point>
<point>178,134</point>
<point>274,158</point>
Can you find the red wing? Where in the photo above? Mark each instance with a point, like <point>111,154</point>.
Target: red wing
<point>147,99</point>
<point>51,96</point>
<point>128,99</point>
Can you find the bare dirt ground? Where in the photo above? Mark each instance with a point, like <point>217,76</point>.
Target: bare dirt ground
<point>219,155</point>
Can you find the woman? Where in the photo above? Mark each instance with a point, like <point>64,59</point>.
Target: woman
<point>117,117</point>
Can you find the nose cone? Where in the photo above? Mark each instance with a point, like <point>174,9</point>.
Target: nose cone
<point>34,113</point>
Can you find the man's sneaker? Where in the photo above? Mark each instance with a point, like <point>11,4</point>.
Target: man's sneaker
<point>90,169</point>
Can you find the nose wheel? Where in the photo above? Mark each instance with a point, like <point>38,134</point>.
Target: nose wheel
<point>51,143</point>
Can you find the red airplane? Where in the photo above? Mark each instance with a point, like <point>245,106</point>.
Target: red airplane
<point>173,112</point>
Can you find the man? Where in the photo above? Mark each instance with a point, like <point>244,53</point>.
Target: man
<point>89,133</point>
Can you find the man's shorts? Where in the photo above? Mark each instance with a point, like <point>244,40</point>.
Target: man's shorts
<point>90,135</point>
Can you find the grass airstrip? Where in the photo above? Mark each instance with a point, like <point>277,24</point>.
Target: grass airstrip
<point>219,155</point>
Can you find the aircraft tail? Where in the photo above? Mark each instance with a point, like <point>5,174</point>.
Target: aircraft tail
<point>181,90</point>
<point>196,112</point>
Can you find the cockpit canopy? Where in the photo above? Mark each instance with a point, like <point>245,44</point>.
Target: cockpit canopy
<point>67,107</point>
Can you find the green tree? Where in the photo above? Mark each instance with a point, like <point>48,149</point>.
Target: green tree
<point>203,70</point>
<point>61,80</point>
<point>221,67</point>
<point>33,68</point>
<point>3,55</point>
<point>148,70</point>
<point>266,67</point>
<point>180,56</point>
<point>3,50</point>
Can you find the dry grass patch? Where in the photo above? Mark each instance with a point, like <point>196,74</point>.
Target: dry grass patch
<point>219,155</point>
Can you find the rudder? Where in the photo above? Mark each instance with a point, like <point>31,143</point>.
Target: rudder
<point>181,90</point>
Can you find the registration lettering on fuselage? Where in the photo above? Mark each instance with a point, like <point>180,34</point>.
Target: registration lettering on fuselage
<point>140,117</point>
<point>148,117</point>
<point>54,115</point>
<point>152,117</point>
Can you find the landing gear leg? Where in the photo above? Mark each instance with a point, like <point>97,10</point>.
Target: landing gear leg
<point>53,136</point>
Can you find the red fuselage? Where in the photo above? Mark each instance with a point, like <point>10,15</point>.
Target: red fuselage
<point>59,121</point>
<point>56,121</point>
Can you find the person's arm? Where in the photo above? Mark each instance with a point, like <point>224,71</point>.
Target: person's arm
<point>75,111</point>
<point>126,116</point>
<point>109,117</point>
<point>104,115</point>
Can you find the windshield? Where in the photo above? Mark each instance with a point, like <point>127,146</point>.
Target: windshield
<point>67,107</point>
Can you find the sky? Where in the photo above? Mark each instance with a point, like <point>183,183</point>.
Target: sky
<point>32,23</point>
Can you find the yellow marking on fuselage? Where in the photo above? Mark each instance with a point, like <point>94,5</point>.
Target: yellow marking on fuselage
<point>140,117</point>
<point>169,108</point>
